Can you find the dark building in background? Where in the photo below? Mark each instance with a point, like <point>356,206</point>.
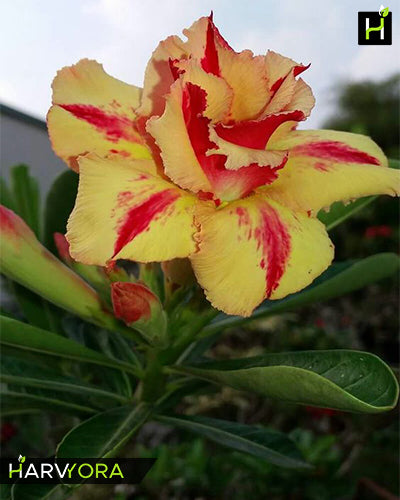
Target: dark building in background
<point>24,139</point>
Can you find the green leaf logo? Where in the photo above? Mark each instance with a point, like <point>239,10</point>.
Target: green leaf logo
<point>383,11</point>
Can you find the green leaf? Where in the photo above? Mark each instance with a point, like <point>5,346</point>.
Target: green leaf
<point>104,434</point>
<point>5,491</point>
<point>59,204</point>
<point>339,212</point>
<point>23,336</point>
<point>340,279</point>
<point>37,311</point>
<point>272,446</point>
<point>394,163</point>
<point>50,402</point>
<point>6,197</point>
<point>18,372</point>
<point>179,389</point>
<point>26,197</point>
<point>345,380</point>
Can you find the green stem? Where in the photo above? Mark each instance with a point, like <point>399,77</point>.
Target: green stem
<point>170,356</point>
<point>152,386</point>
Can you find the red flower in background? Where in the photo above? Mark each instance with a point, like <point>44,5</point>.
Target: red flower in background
<point>378,231</point>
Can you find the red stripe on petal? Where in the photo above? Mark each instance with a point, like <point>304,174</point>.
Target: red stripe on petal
<point>274,239</point>
<point>115,127</point>
<point>218,37</point>
<point>247,179</point>
<point>175,70</point>
<point>138,218</point>
<point>277,84</point>
<point>322,167</point>
<point>194,103</point>
<point>209,62</point>
<point>255,134</point>
<point>300,68</point>
<point>244,180</point>
<point>335,151</point>
<point>297,70</point>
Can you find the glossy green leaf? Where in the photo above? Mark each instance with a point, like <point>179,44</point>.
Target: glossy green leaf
<point>345,380</point>
<point>14,333</point>
<point>272,446</point>
<point>341,278</point>
<point>59,204</point>
<point>104,434</point>
<point>19,372</point>
<point>339,212</point>
<point>26,197</point>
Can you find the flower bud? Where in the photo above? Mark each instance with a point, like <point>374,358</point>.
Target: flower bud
<point>141,309</point>
<point>24,260</point>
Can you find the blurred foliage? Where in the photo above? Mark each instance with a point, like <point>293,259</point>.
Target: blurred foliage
<point>196,470</point>
<point>370,108</point>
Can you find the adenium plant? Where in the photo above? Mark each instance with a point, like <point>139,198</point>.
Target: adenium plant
<point>204,171</point>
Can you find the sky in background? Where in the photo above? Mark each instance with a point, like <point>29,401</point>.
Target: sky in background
<point>40,36</point>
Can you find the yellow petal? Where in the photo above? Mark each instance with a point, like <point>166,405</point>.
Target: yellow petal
<point>93,112</point>
<point>203,42</point>
<point>239,156</point>
<point>245,74</point>
<point>171,135</point>
<point>282,96</point>
<point>292,95</point>
<point>204,38</point>
<point>125,211</point>
<point>325,166</point>
<point>302,98</point>
<point>197,37</point>
<point>219,95</point>
<point>158,76</point>
<point>278,67</point>
<point>254,248</point>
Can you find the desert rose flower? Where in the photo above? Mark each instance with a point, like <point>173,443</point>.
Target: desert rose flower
<point>206,162</point>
